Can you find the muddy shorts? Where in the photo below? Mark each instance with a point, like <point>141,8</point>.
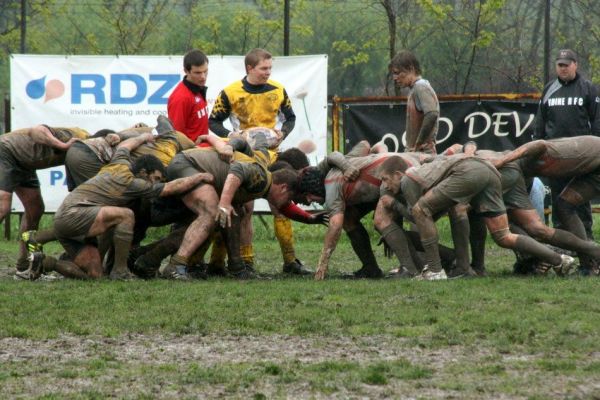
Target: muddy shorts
<point>587,186</point>
<point>12,175</point>
<point>469,182</point>
<point>181,167</point>
<point>81,164</point>
<point>514,188</point>
<point>71,225</point>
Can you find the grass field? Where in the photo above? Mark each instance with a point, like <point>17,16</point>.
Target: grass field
<point>499,337</point>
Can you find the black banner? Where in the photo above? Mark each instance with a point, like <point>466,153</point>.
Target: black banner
<point>495,125</point>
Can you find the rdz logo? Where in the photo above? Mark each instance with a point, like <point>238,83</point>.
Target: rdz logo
<point>38,87</point>
<point>123,88</point>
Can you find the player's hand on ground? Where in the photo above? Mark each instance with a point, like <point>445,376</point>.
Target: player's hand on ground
<point>321,217</point>
<point>320,274</point>
<point>223,216</point>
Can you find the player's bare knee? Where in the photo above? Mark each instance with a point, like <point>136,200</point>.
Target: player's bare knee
<point>459,211</point>
<point>383,214</point>
<point>420,211</point>
<point>503,237</point>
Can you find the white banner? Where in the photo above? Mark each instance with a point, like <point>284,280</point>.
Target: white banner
<point>96,92</point>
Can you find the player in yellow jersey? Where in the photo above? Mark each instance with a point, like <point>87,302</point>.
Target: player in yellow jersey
<point>257,101</point>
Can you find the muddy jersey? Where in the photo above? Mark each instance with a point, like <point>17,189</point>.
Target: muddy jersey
<point>421,100</point>
<point>251,106</point>
<point>564,158</point>
<point>430,174</point>
<point>103,150</point>
<point>31,155</point>
<point>164,147</point>
<point>114,185</point>
<point>365,189</point>
<point>250,166</point>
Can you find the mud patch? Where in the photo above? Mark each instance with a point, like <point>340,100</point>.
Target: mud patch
<point>232,366</point>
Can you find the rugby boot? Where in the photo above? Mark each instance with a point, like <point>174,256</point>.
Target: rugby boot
<point>178,272</point>
<point>176,269</point>
<point>401,273</point>
<point>296,268</point>
<point>241,271</point>
<point>214,269</point>
<point>361,244</point>
<point>367,272</point>
<point>566,265</point>
<point>164,125</point>
<point>197,271</point>
<point>36,265</point>
<point>428,275</point>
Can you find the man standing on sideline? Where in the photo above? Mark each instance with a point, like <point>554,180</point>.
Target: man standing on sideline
<point>422,106</point>
<point>187,107</point>
<point>569,107</point>
<point>257,101</point>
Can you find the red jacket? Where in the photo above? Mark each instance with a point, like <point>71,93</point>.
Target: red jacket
<point>188,110</point>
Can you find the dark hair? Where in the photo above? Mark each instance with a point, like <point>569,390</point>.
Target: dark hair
<point>312,181</point>
<point>393,164</point>
<point>406,61</point>
<point>102,133</point>
<point>194,58</point>
<point>286,176</point>
<point>255,56</point>
<point>148,162</point>
<point>277,165</point>
<point>295,157</point>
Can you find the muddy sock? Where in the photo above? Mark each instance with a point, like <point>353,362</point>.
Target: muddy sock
<point>69,269</point>
<point>232,239</point>
<point>477,239</point>
<point>446,253</point>
<point>247,253</point>
<point>432,254</point>
<point>569,220</point>
<point>566,240</point>
<point>219,250</point>
<point>45,236</point>
<point>396,239</point>
<point>361,244</point>
<point>163,248</point>
<point>176,259</point>
<point>122,237</point>
<point>49,263</point>
<point>285,236</point>
<point>528,245</point>
<point>459,227</point>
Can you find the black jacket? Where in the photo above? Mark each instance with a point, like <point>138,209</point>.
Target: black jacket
<point>568,109</point>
